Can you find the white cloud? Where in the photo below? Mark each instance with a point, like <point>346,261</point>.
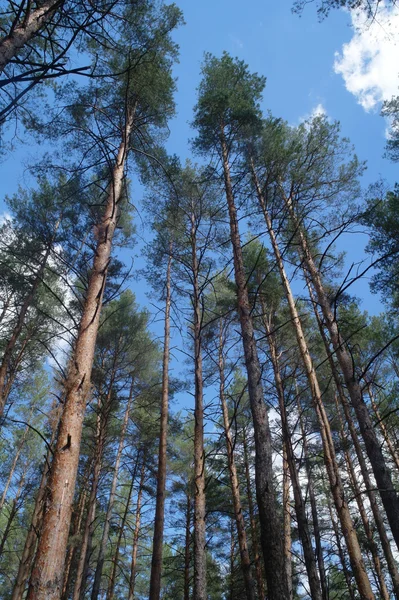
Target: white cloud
<point>369,63</point>
<point>317,111</point>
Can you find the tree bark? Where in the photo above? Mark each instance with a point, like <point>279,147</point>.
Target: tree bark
<point>157,548</point>
<point>382,426</point>
<point>389,497</point>
<point>271,530</point>
<point>46,578</point>
<point>24,31</point>
<point>235,487</point>
<point>329,455</point>
<point>341,554</point>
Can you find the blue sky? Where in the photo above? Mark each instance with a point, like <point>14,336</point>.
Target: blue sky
<point>297,56</point>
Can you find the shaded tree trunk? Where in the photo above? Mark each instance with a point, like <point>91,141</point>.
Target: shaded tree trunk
<point>270,526</point>
<point>287,521</point>
<point>254,533</point>
<point>187,553</point>
<point>156,564</point>
<point>235,487</point>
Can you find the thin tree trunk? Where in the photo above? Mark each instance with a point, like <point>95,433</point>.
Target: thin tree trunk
<point>115,559</point>
<point>187,553</point>
<point>72,549</point>
<point>271,531</point>
<point>381,425</point>
<point>362,510</point>
<point>23,32</point>
<point>13,466</point>
<point>13,511</point>
<point>235,487</point>
<point>254,533</point>
<point>300,509</point>
<point>199,592</point>
<point>46,578</point>
<point>379,521</point>
<point>313,505</point>
<point>157,548</point>
<point>104,540</point>
<point>287,521</point>
<point>133,570</point>
<point>7,354</point>
<point>341,554</point>
<point>389,497</point>
<point>329,455</point>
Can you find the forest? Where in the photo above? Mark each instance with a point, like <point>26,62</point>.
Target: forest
<point>198,397</point>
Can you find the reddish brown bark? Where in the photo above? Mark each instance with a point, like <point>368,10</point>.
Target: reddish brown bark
<point>46,578</point>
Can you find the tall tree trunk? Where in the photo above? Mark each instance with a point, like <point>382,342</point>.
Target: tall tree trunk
<point>379,521</point>
<point>13,466</point>
<point>115,559</point>
<point>329,455</point>
<point>157,548</point>
<point>300,508</point>
<point>133,569</point>
<point>362,510</point>
<point>46,578</point>
<point>23,32</point>
<point>187,553</point>
<point>271,531</point>
<point>254,530</point>
<point>104,540</point>
<point>235,487</point>
<point>389,496</point>
<point>287,521</point>
<point>199,592</point>
<point>14,509</point>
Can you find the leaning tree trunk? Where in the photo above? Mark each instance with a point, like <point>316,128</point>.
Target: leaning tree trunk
<point>270,524</point>
<point>341,554</point>
<point>23,32</point>
<point>329,454</point>
<point>235,486</point>
<point>46,578</point>
<point>389,496</point>
<point>379,521</point>
<point>357,493</point>
<point>159,519</point>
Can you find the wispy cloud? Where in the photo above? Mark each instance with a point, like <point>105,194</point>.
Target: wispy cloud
<point>369,63</point>
<point>317,111</point>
